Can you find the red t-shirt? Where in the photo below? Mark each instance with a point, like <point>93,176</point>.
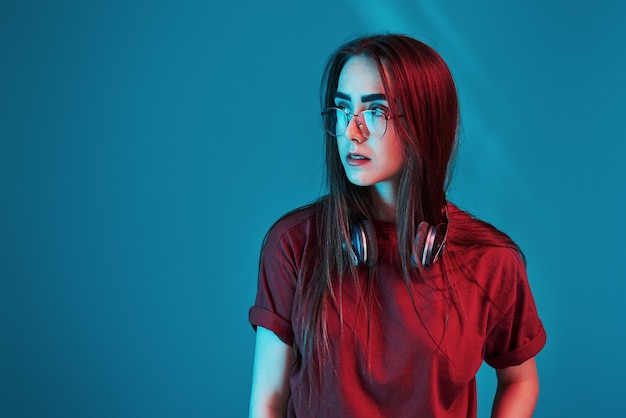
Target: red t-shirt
<point>385,360</point>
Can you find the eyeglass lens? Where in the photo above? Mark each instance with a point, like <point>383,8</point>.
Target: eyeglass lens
<point>372,123</point>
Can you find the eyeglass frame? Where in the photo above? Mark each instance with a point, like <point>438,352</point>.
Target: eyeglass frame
<point>350,116</point>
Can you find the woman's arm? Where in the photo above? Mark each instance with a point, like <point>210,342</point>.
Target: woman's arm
<point>518,389</point>
<point>270,376</point>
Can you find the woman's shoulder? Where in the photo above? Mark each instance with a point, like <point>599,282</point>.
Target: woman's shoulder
<point>479,239</point>
<point>296,217</point>
<point>484,255</point>
<point>297,225</point>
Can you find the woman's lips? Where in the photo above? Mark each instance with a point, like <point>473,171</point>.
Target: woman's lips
<point>356,159</point>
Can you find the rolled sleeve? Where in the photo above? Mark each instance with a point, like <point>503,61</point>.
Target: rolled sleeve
<point>286,243</point>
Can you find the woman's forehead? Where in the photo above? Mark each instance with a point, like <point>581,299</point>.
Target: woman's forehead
<point>360,77</point>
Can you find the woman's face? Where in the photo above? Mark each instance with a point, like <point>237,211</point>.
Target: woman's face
<point>367,162</point>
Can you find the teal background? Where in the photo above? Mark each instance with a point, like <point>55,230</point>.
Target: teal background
<point>146,147</point>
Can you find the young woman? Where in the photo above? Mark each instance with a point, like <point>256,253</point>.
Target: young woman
<point>382,299</point>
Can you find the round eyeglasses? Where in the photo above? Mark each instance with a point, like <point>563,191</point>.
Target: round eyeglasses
<point>372,123</point>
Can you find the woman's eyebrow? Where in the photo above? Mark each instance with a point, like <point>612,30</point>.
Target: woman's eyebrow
<point>365,98</point>
<point>344,96</point>
<point>373,97</point>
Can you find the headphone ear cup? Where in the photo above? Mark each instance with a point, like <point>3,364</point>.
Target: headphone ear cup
<point>364,249</point>
<point>372,243</point>
<point>424,244</point>
<point>418,244</point>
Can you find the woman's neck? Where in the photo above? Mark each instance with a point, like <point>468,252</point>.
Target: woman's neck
<point>384,201</point>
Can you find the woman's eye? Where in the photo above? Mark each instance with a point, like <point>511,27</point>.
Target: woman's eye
<point>344,109</point>
<point>379,111</point>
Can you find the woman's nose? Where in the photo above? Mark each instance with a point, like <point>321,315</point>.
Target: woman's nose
<point>353,130</point>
